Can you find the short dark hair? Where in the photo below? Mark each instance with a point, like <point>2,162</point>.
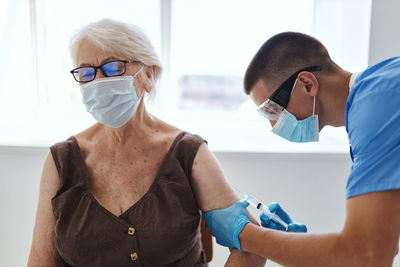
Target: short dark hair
<point>282,55</point>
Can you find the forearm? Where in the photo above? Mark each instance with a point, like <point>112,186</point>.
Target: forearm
<point>37,259</point>
<point>296,249</point>
<point>237,258</point>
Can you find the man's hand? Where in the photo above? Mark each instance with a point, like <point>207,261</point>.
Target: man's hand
<point>292,226</point>
<point>226,224</point>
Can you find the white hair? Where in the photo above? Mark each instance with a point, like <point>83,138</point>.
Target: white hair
<point>120,38</point>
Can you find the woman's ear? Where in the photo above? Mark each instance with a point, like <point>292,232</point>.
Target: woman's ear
<point>147,87</point>
<point>309,82</point>
<point>149,83</point>
<point>150,71</point>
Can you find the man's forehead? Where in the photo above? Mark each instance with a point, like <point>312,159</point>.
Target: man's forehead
<point>260,92</point>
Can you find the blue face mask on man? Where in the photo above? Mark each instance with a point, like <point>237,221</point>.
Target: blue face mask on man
<point>287,125</point>
<point>299,131</point>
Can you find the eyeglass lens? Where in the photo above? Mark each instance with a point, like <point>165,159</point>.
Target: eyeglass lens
<point>86,74</point>
<point>113,68</point>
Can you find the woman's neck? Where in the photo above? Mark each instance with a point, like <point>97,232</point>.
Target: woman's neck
<point>140,125</point>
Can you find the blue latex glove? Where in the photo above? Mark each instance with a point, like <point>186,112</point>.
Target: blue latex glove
<point>226,224</point>
<point>292,226</point>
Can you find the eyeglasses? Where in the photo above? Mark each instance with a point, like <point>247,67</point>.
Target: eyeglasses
<point>279,100</point>
<point>109,69</point>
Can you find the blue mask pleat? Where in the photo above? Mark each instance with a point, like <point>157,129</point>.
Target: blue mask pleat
<point>111,101</point>
<point>299,131</point>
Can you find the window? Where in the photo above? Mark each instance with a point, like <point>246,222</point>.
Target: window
<point>16,72</point>
<point>205,47</point>
<point>213,42</point>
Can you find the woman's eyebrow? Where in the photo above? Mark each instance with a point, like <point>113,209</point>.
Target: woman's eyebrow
<point>102,62</point>
<point>109,59</point>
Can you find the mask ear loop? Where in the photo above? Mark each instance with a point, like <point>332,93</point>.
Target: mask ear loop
<point>294,86</point>
<point>134,76</point>
<point>138,71</point>
<point>313,111</point>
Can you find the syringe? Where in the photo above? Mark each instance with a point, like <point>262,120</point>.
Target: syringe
<point>264,209</point>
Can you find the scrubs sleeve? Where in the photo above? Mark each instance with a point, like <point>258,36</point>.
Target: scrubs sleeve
<point>374,132</point>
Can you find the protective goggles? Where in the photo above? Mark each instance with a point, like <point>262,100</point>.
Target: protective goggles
<point>279,100</point>
<point>109,69</point>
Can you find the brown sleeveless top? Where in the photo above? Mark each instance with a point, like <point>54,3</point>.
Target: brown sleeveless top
<point>161,229</point>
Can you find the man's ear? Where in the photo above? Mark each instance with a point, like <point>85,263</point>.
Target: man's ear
<point>309,82</point>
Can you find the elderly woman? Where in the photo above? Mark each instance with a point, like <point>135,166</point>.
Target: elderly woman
<point>129,190</point>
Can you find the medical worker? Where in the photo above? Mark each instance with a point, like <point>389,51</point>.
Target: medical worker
<point>300,90</point>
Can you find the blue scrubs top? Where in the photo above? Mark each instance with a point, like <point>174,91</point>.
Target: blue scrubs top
<point>373,126</point>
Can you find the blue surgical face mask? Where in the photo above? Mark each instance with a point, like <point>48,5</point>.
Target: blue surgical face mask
<point>111,101</point>
<point>293,130</point>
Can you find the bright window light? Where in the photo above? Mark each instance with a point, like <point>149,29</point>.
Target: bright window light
<point>205,47</point>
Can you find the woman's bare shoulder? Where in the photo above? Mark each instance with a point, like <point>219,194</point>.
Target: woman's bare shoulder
<point>167,127</point>
<point>165,131</point>
<point>88,133</point>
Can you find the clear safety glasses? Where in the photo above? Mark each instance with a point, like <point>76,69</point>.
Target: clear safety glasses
<point>278,101</point>
<point>109,69</point>
<point>270,110</point>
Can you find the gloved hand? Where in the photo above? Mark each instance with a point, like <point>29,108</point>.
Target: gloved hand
<point>276,208</point>
<point>226,224</point>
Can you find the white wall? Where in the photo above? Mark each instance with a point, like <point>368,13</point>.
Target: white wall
<point>384,36</point>
<point>19,180</point>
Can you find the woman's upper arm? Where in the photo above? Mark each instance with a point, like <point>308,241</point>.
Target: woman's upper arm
<point>209,183</point>
<point>214,192</point>
<point>43,251</point>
